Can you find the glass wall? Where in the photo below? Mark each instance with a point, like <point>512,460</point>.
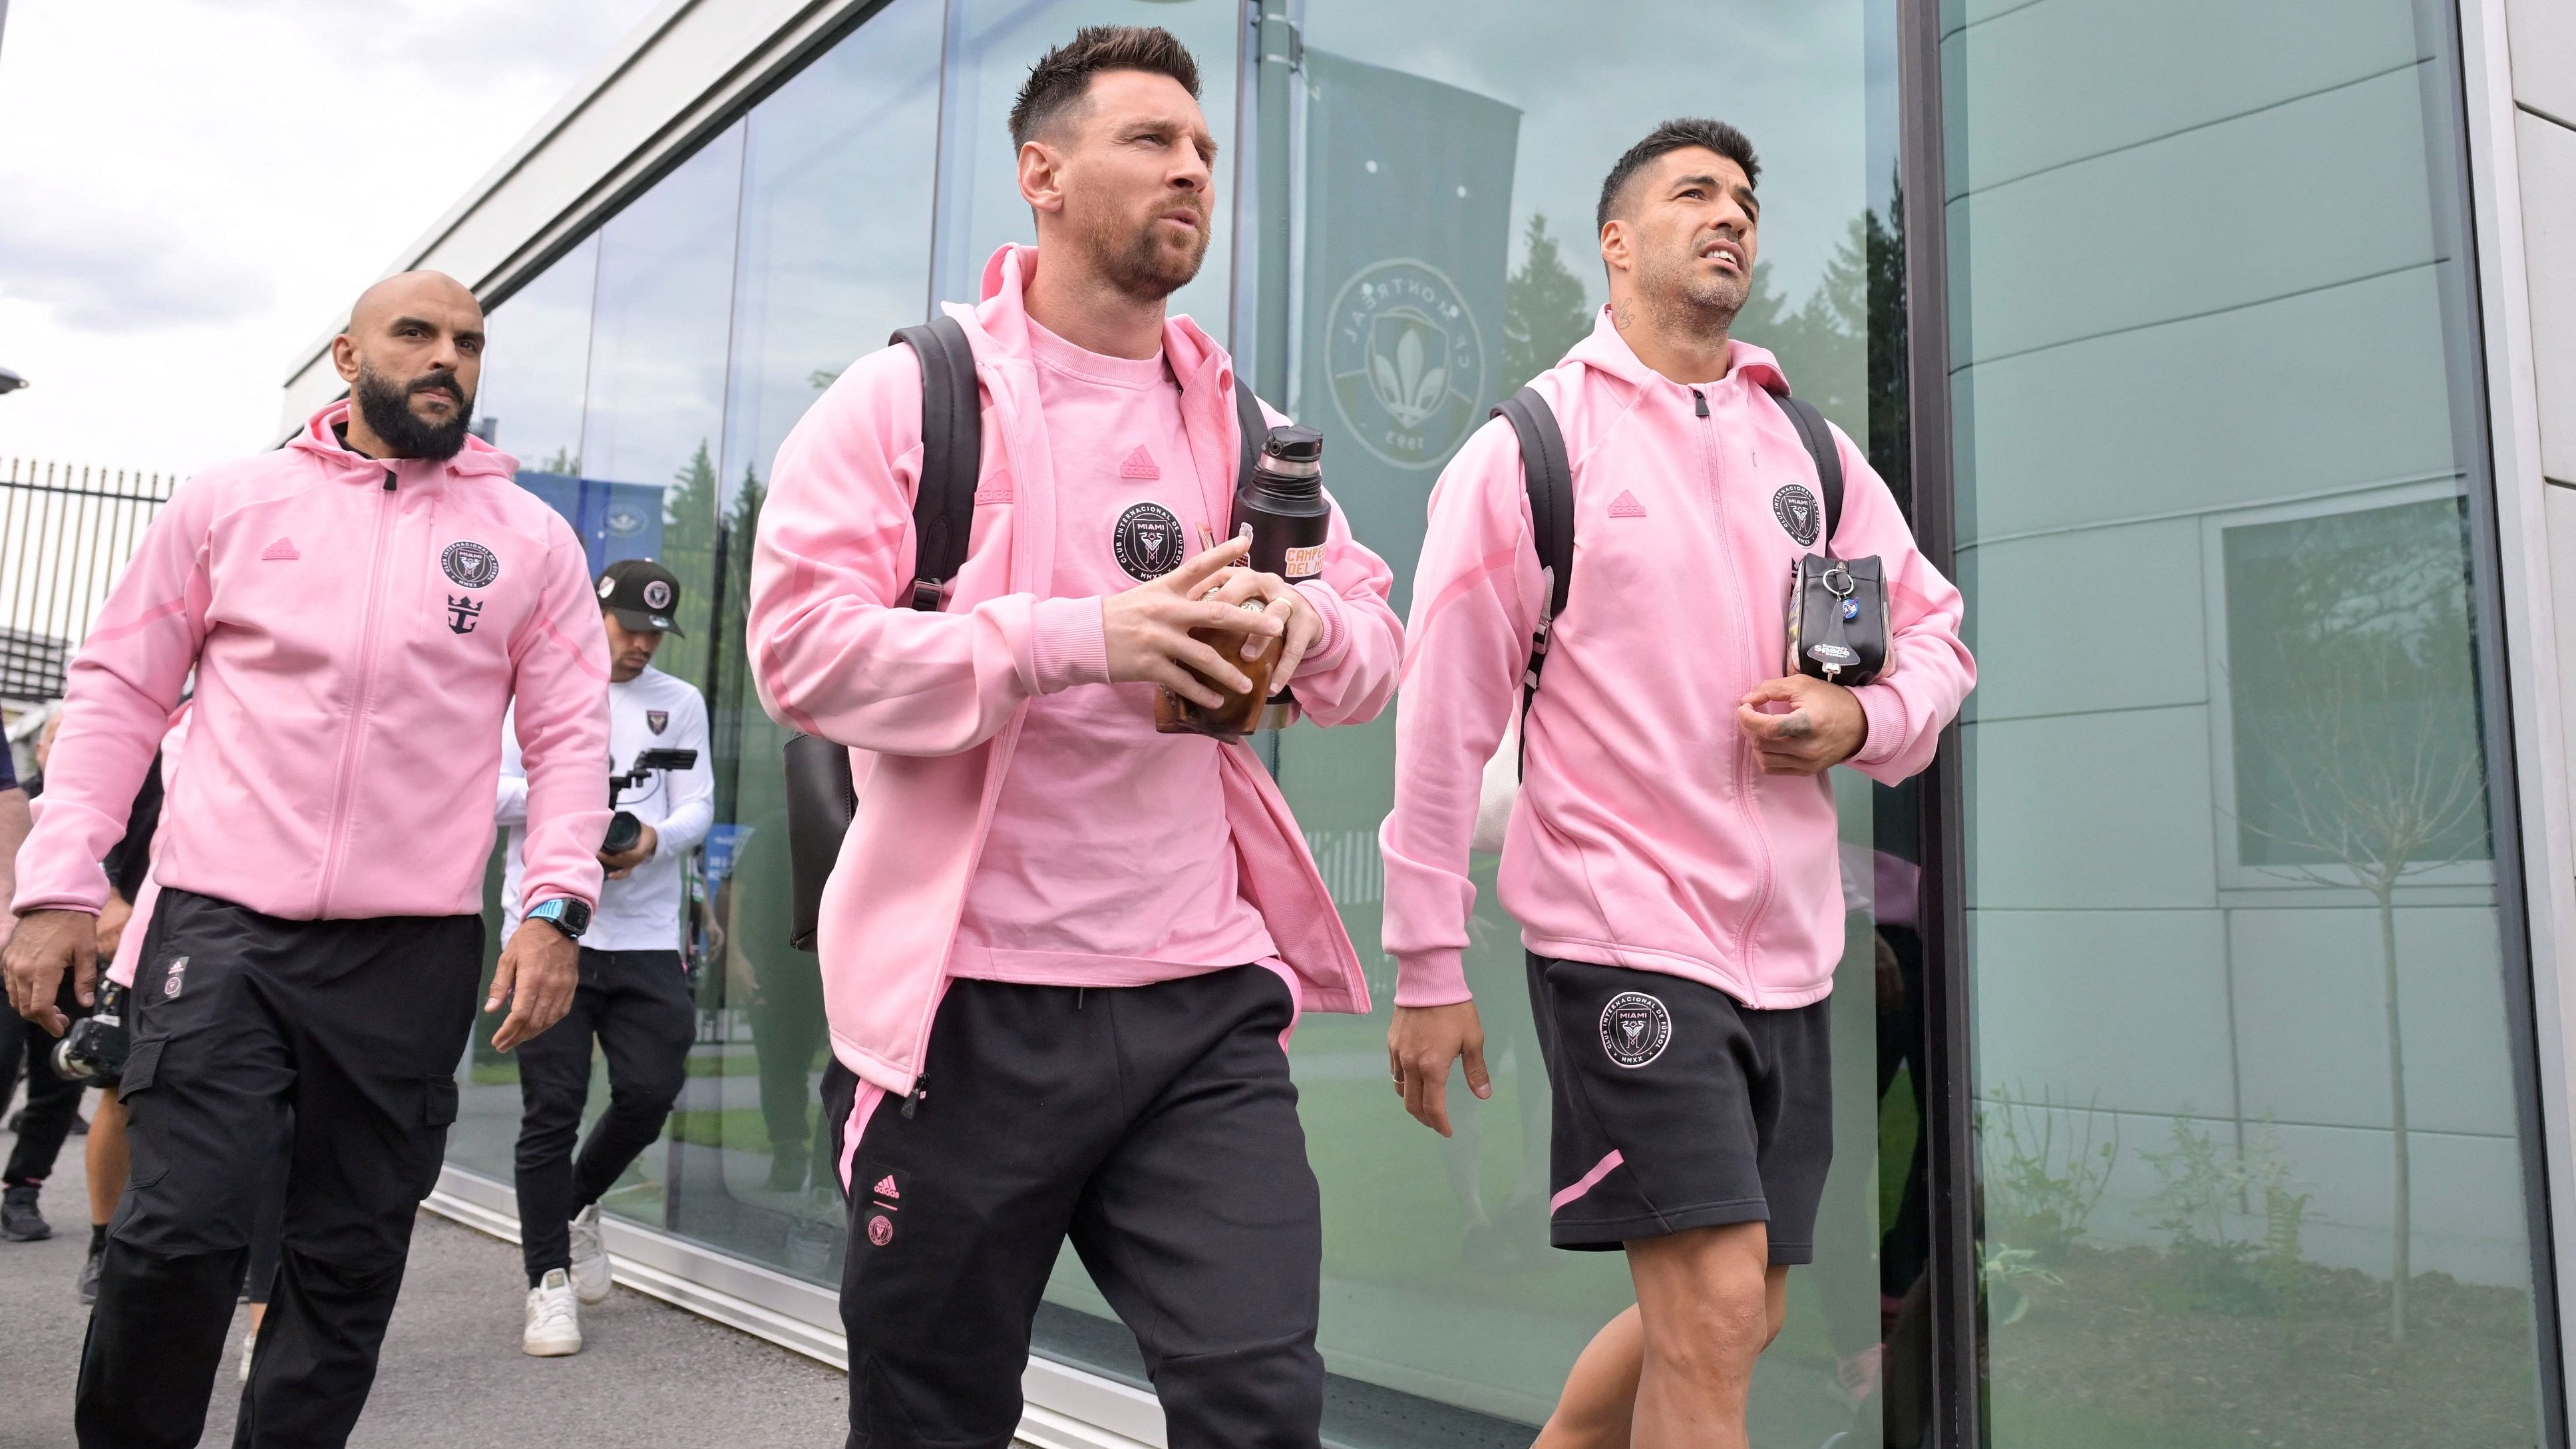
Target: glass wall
<point>2244,1087</point>
<point>2203,352</point>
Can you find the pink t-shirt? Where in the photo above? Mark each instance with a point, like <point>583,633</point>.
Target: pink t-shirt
<point>1067,894</point>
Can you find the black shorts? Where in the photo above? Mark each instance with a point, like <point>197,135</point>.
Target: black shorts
<point>1677,1108</point>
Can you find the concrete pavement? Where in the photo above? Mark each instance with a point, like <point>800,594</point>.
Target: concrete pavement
<point>452,1375</point>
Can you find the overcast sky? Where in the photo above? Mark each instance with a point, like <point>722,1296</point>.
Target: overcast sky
<point>189,190</point>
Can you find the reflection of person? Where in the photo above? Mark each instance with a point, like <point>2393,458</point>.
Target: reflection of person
<point>1038,935</point>
<point>786,996</point>
<point>634,994</point>
<point>1675,878</point>
<point>359,608</point>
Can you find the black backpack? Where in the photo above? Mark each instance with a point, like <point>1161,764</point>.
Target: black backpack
<point>1549,475</point>
<point>820,795</point>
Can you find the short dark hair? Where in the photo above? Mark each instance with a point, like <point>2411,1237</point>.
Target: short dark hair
<point>1677,134</point>
<point>1062,77</point>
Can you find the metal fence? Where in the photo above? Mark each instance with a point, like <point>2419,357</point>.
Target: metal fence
<point>66,531</point>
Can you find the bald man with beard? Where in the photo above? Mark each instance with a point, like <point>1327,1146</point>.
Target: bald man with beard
<point>359,609</point>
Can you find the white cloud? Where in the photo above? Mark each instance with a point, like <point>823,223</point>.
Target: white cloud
<point>189,189</point>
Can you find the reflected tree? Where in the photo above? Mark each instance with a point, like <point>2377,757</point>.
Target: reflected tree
<point>1544,312</point>
<point>2357,735</point>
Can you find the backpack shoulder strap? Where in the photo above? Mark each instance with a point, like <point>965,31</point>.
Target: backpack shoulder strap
<point>1254,425</point>
<point>1549,477</point>
<point>1819,439</point>
<point>952,456</point>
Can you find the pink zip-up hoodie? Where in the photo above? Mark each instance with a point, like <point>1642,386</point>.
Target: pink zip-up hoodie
<point>931,703</point>
<point>1646,834</point>
<point>357,629</point>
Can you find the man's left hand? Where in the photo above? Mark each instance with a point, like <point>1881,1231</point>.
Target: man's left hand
<point>1822,726</point>
<point>1282,601</point>
<point>538,972</point>
<point>623,863</point>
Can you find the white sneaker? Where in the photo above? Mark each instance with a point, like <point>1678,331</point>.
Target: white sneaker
<point>590,1268</point>
<point>554,1318</point>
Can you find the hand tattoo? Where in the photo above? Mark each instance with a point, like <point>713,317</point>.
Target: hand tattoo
<point>1796,726</point>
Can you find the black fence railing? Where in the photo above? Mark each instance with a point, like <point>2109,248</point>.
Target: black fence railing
<point>66,531</point>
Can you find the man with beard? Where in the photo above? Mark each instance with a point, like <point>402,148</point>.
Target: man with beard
<point>1672,858</point>
<point>359,607</point>
<point>1062,952</point>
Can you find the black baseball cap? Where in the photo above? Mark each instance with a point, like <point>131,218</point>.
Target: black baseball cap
<point>642,594</point>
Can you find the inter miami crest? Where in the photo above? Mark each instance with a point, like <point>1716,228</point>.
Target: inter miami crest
<point>657,720</point>
<point>1147,541</point>
<point>470,565</point>
<point>1635,1028</point>
<point>1798,513</point>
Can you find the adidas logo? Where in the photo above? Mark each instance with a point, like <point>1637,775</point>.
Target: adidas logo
<point>885,1188</point>
<point>1139,464</point>
<point>282,551</point>
<point>1627,506</point>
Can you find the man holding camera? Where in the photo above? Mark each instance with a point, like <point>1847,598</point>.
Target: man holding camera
<point>634,993</point>
<point>359,608</point>
<point>1672,857</point>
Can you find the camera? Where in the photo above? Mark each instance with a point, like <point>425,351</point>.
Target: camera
<point>94,1049</point>
<point>623,828</point>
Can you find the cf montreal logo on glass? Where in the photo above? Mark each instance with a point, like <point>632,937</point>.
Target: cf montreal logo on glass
<point>1798,513</point>
<point>1635,1028</point>
<point>1407,362</point>
<point>470,565</point>
<point>1147,541</point>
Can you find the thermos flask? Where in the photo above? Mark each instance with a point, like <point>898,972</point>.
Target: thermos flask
<point>1282,503</point>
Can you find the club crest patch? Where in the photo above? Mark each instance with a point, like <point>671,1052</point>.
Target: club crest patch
<point>1147,541</point>
<point>470,565</point>
<point>880,1230</point>
<point>177,977</point>
<point>657,595</point>
<point>1798,512</point>
<point>1635,1029</point>
<point>657,720</point>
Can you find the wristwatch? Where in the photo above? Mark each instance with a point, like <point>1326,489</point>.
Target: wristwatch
<point>564,914</point>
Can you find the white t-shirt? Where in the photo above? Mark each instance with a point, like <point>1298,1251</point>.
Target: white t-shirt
<point>652,711</point>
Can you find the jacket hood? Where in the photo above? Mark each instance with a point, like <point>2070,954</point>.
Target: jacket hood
<point>1606,351</point>
<point>479,459</point>
<point>1004,316</point>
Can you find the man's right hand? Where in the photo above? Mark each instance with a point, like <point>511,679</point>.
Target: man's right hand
<point>46,944</point>
<point>1149,626</point>
<point>1420,1047</point>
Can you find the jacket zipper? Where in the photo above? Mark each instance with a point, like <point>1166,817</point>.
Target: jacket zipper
<point>365,699</point>
<point>1744,785</point>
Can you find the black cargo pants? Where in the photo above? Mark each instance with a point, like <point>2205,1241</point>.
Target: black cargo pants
<point>323,1052</point>
<point>1156,1126</point>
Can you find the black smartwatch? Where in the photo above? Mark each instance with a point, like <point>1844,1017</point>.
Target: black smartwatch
<point>564,914</point>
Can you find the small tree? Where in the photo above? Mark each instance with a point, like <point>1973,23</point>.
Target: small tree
<point>1544,313</point>
<point>2371,769</point>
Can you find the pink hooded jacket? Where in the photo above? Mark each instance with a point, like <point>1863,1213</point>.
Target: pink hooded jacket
<point>931,703</point>
<point>357,629</point>
<point>1646,834</point>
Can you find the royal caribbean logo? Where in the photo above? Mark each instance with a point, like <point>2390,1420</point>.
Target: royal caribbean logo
<point>1407,362</point>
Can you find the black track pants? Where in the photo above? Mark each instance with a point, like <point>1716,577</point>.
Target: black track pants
<point>323,1052</point>
<point>1154,1125</point>
<point>637,1004</point>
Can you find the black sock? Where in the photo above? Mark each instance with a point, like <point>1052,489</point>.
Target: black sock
<point>98,1237</point>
